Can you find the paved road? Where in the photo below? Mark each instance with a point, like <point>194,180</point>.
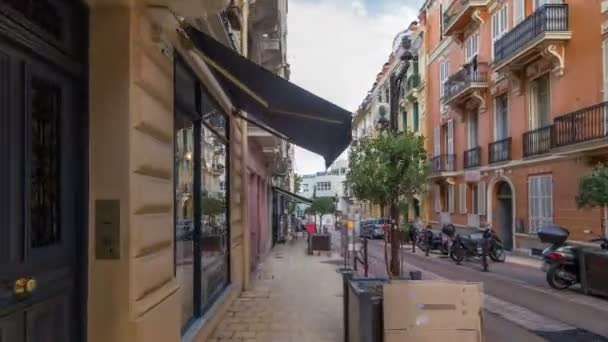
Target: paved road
<point>519,305</point>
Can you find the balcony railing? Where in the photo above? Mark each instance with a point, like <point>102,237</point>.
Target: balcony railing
<point>472,157</point>
<point>499,151</point>
<point>548,18</point>
<point>443,163</point>
<point>413,81</point>
<point>456,10</point>
<point>583,125</point>
<point>538,141</point>
<point>463,79</point>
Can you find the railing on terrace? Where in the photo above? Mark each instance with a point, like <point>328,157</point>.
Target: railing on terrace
<point>538,141</point>
<point>472,157</point>
<point>548,18</point>
<point>464,78</point>
<point>499,151</point>
<point>443,163</point>
<point>583,125</point>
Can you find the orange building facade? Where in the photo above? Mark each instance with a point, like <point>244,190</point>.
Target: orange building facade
<point>515,113</point>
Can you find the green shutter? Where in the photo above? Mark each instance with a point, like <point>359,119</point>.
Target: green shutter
<point>416,118</point>
<point>404,121</point>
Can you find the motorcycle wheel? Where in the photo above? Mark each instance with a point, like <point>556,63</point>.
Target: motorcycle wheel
<point>555,281</point>
<point>497,254</point>
<point>457,254</point>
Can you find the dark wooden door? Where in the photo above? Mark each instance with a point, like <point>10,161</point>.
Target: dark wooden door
<point>42,175</point>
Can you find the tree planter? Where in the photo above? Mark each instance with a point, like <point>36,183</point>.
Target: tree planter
<point>319,242</point>
<point>363,308</point>
<point>594,272</point>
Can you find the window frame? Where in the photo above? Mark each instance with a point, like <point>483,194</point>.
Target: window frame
<point>536,211</point>
<point>497,114</point>
<point>535,120</point>
<point>519,11</point>
<point>471,46</point>
<point>499,25</point>
<point>199,307</point>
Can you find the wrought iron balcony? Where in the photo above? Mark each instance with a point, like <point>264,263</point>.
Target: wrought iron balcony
<point>459,15</point>
<point>463,84</point>
<point>411,85</point>
<point>443,163</point>
<point>547,24</point>
<point>499,151</point>
<point>538,141</point>
<point>472,157</point>
<point>580,126</point>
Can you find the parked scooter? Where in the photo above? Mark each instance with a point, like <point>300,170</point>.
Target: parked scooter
<point>561,260</point>
<point>476,245</point>
<point>428,240</point>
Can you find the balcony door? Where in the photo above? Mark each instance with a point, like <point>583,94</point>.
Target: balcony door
<point>43,171</point>
<point>539,102</point>
<point>472,131</point>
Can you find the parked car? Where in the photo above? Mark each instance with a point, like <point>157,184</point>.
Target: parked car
<point>374,228</point>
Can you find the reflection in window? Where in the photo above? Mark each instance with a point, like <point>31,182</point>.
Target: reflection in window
<point>184,214</point>
<point>44,194</point>
<point>214,227</point>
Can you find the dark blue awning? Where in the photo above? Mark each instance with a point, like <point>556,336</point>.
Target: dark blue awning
<point>308,120</point>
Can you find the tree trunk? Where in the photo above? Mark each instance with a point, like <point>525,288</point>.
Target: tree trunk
<point>395,267</point>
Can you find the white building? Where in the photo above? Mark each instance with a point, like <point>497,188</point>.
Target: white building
<point>329,183</point>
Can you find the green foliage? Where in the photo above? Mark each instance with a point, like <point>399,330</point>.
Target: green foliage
<point>322,206</point>
<point>212,206</point>
<point>593,188</point>
<point>387,166</point>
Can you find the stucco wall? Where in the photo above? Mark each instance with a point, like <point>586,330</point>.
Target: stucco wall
<point>136,298</point>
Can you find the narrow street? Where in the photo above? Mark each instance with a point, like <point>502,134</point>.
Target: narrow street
<point>518,300</point>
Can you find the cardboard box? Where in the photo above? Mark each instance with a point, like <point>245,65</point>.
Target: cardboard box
<point>432,311</point>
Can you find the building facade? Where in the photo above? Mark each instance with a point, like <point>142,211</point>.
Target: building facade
<point>515,114</point>
<point>329,183</point>
<point>126,171</point>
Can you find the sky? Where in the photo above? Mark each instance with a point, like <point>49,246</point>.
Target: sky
<point>337,47</point>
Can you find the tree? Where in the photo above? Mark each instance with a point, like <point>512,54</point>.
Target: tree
<point>593,192</point>
<point>386,168</point>
<point>321,206</point>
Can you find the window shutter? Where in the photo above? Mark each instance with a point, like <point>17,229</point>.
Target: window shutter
<point>519,11</point>
<point>450,137</point>
<point>605,60</point>
<point>451,198</point>
<point>437,199</point>
<point>437,137</point>
<point>462,198</point>
<point>482,198</point>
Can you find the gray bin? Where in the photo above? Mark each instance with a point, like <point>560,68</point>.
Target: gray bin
<point>363,303</point>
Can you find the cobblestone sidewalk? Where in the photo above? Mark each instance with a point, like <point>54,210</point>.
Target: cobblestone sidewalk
<point>296,298</point>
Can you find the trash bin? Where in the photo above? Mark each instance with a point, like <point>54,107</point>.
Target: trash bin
<point>594,272</point>
<point>363,303</point>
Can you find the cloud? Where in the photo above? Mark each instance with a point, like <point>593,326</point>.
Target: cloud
<point>336,48</point>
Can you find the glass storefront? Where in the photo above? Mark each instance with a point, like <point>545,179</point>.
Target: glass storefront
<point>202,261</point>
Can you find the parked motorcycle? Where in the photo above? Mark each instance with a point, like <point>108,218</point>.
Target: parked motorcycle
<point>428,240</point>
<point>476,245</point>
<point>561,260</point>
<point>497,251</point>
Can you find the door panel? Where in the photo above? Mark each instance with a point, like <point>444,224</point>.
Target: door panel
<point>10,328</point>
<point>40,184</point>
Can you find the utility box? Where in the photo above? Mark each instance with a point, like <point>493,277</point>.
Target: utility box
<point>432,311</point>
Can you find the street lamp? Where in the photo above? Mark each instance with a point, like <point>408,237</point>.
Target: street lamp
<point>405,48</point>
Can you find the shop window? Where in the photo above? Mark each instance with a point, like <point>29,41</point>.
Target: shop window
<point>202,193</point>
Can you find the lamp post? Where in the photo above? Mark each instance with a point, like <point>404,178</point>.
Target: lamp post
<point>405,47</point>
